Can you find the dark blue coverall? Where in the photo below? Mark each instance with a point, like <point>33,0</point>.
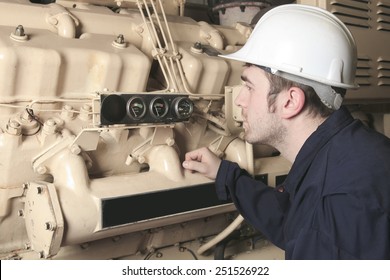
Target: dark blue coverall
<point>335,201</point>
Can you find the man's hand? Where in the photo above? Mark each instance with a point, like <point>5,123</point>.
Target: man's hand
<point>202,161</point>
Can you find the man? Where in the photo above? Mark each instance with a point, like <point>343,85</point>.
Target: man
<point>335,202</point>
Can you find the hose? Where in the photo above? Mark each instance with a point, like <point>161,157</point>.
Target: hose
<point>222,235</point>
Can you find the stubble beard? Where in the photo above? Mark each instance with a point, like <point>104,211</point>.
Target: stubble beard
<point>268,131</point>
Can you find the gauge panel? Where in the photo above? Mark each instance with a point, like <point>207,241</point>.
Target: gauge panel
<point>144,108</point>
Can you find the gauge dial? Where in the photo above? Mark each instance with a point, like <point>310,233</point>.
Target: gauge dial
<point>183,107</point>
<point>158,107</point>
<point>113,109</point>
<point>136,108</point>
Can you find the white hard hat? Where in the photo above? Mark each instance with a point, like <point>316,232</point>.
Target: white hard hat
<point>306,44</point>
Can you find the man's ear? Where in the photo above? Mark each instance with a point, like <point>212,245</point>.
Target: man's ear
<point>293,102</point>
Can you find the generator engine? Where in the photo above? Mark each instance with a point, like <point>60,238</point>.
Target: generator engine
<point>101,99</point>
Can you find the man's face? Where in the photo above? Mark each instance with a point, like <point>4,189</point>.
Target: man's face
<point>261,122</point>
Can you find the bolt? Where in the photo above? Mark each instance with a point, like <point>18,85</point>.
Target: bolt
<point>49,226</point>
<point>159,255</point>
<point>75,149</point>
<point>120,39</point>
<point>85,111</point>
<point>87,108</point>
<point>67,113</point>
<point>170,142</point>
<point>198,46</point>
<point>141,159</point>
<point>21,213</point>
<point>237,124</point>
<point>50,126</point>
<point>39,190</point>
<point>68,107</point>
<point>14,128</point>
<point>19,31</point>
<point>41,169</point>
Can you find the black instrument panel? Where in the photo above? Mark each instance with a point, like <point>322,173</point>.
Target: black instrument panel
<point>144,108</point>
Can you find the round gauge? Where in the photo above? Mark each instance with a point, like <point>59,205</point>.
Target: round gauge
<point>158,107</point>
<point>183,107</point>
<point>113,108</point>
<point>136,108</point>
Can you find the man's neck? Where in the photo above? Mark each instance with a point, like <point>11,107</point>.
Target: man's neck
<point>299,130</point>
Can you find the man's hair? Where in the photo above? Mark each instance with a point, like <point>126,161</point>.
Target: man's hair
<point>313,103</point>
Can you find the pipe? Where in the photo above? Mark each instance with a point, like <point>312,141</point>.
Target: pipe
<point>211,35</point>
<point>66,26</point>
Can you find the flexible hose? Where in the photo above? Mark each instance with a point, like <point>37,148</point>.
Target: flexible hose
<point>236,223</point>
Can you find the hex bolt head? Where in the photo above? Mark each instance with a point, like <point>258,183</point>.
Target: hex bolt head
<point>170,141</point>
<point>19,34</point>
<point>50,126</point>
<point>120,39</point>
<point>119,42</point>
<point>85,112</point>
<point>41,170</point>
<point>67,112</point>
<point>19,31</point>
<point>14,128</point>
<point>75,149</point>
